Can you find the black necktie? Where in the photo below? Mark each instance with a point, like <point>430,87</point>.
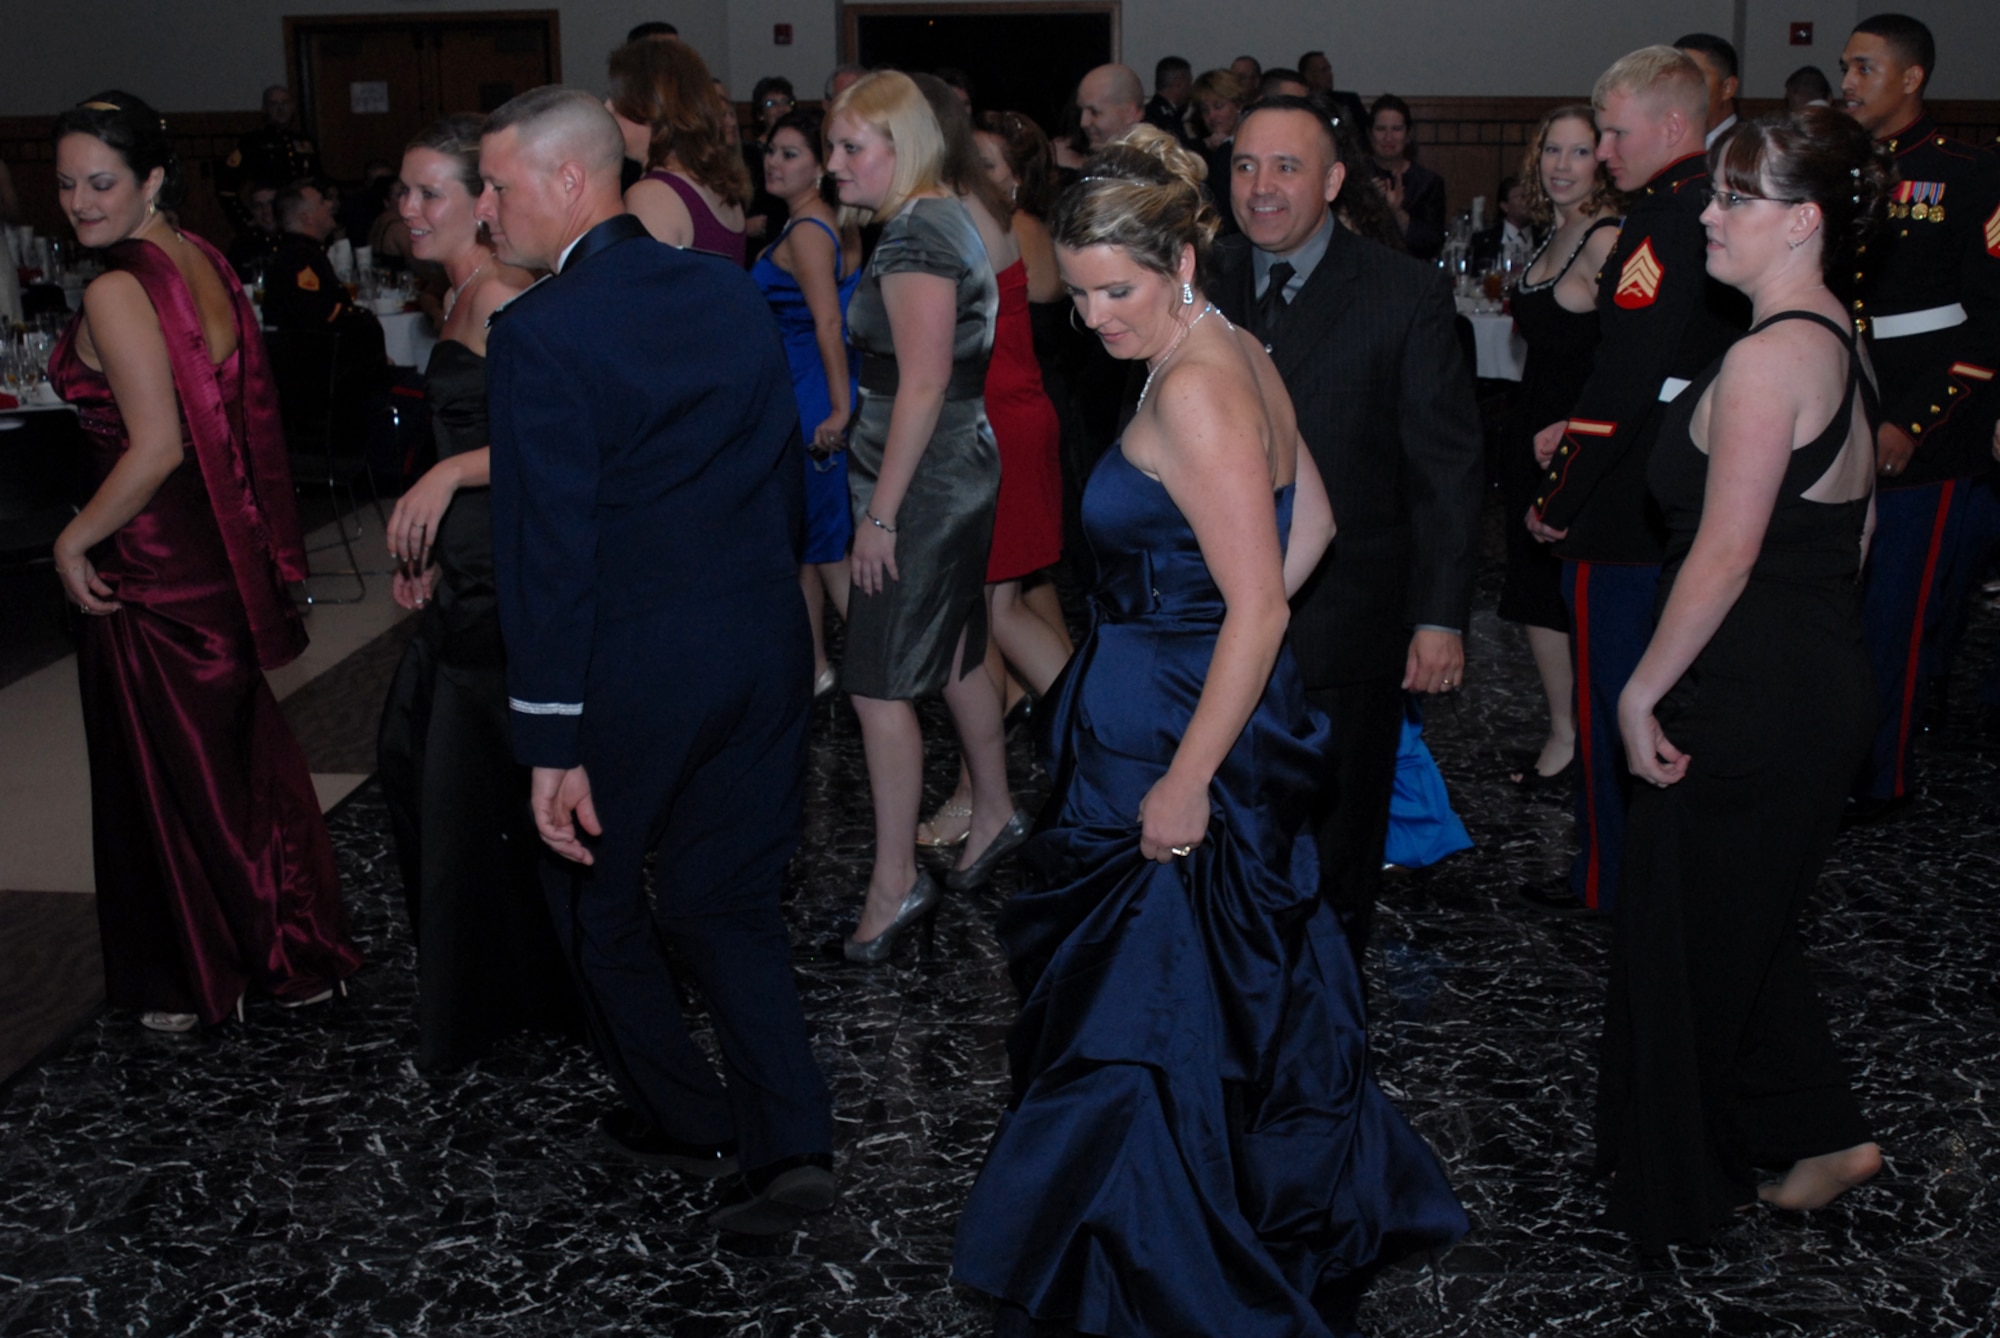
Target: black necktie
<point>1272,304</point>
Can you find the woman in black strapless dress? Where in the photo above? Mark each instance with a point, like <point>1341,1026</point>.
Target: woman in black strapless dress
<point>1747,717</point>
<point>1555,309</point>
<point>487,957</point>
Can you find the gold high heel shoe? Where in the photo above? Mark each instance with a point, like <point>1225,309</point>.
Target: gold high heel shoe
<point>929,835</point>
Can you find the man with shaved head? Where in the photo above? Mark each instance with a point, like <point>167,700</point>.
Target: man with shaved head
<point>647,507</point>
<point>1111,101</point>
<point>1661,320</point>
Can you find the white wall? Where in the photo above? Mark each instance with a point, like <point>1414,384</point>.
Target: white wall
<point>1967,33</point>
<point>213,55</point>
<point>207,55</point>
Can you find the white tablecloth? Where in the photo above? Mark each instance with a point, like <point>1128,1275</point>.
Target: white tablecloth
<point>1502,351</point>
<point>409,338</point>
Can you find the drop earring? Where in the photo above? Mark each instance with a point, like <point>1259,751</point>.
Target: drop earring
<point>1187,294</point>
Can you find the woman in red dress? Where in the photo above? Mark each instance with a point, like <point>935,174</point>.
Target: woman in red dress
<point>214,871</point>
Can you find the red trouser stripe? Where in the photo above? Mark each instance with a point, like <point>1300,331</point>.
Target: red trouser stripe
<point>1580,620</point>
<point>1908,713</point>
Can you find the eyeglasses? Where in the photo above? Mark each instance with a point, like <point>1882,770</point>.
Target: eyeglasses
<point>1727,200</point>
<point>769,103</point>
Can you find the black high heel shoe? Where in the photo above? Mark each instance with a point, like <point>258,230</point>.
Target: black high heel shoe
<point>919,903</point>
<point>1530,781</point>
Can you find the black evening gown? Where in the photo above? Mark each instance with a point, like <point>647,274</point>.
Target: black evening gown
<point>1561,347</point>
<point>487,960</point>
<point>1195,1145</point>
<point>1717,1057</point>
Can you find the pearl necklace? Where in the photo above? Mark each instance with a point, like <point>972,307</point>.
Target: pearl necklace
<point>1172,349</point>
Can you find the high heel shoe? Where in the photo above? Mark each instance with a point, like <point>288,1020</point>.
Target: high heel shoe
<point>920,901</point>
<point>825,682</point>
<point>1530,781</point>
<point>1004,843</point>
<point>176,1024</point>
<point>929,830</point>
<point>338,986</point>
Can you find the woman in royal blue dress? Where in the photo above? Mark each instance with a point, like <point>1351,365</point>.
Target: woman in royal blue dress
<point>1194,1143</point>
<point>809,275</point>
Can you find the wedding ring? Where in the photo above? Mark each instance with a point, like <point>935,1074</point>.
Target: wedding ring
<point>1182,851</point>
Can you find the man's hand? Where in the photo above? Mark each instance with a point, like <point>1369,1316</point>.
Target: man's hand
<point>1542,533</point>
<point>561,803</point>
<point>1893,449</point>
<point>1436,663</point>
<point>1548,439</point>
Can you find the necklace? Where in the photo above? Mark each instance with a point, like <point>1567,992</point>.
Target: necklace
<point>452,301</point>
<point>1172,349</point>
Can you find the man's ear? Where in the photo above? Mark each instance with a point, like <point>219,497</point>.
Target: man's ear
<point>1336,177</point>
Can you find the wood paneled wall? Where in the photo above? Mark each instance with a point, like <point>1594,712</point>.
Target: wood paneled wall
<point>202,139</point>
<point>1471,142</point>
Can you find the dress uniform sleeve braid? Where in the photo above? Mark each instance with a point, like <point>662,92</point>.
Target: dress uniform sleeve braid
<point>546,470</point>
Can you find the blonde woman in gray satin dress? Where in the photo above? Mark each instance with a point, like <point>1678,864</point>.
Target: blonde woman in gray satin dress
<point>924,473</point>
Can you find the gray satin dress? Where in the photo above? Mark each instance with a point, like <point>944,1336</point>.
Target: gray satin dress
<point>900,642</point>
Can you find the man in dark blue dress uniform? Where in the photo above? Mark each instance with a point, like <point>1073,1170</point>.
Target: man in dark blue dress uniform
<point>1928,299</point>
<point>1662,321</point>
<point>647,515</point>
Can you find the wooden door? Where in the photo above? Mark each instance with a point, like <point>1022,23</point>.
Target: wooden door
<point>366,84</point>
<point>364,97</point>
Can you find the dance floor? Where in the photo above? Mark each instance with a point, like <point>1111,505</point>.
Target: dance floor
<point>297,1176</point>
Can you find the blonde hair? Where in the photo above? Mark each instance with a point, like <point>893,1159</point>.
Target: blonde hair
<point>891,104</point>
<point>1661,72</point>
<point>1604,198</point>
<point>1141,193</point>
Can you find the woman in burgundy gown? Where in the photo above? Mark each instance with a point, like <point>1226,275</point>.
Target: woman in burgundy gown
<point>675,122</point>
<point>215,875</point>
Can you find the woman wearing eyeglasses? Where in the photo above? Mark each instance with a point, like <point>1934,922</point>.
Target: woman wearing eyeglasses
<point>1747,717</point>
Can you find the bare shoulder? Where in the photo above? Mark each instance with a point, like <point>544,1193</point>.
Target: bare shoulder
<point>115,292</point>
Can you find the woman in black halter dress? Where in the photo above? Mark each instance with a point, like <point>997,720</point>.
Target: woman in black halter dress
<point>1746,718</point>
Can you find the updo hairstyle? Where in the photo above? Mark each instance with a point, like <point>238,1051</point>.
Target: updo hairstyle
<point>135,131</point>
<point>1141,193</point>
<point>1815,154</point>
<point>456,136</point>
<point>1029,158</point>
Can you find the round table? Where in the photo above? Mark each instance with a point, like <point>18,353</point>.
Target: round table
<point>408,338</point>
<point>1502,351</point>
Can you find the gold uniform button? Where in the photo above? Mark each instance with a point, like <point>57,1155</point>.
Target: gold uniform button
<point>1935,409</point>
<point>1540,500</point>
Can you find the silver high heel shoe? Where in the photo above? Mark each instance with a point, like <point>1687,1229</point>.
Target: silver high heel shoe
<point>1004,843</point>
<point>918,903</point>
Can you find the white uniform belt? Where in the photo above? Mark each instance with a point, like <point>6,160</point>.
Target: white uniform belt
<point>1908,323</point>
<point>1671,388</point>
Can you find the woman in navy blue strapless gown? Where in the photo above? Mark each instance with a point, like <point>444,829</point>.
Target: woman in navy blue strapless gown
<point>1194,1144</point>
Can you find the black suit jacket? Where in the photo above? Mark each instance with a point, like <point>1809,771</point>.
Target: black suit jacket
<point>1384,401</point>
<point>645,460</point>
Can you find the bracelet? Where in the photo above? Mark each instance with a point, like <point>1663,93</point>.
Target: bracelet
<point>887,529</point>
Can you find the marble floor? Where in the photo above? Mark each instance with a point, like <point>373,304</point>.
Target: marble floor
<point>298,1176</point>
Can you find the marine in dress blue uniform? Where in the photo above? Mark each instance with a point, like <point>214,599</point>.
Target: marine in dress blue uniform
<point>1928,301</point>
